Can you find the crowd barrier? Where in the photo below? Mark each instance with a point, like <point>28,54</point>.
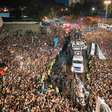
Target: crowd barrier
<point>100,25</point>
<point>105,26</point>
<point>90,29</point>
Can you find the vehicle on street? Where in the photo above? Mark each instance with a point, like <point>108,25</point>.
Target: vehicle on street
<point>77,63</point>
<point>78,45</point>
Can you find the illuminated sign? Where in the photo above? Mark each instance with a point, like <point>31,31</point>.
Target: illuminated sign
<point>3,14</point>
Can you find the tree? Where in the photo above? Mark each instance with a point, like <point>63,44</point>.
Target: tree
<point>76,8</point>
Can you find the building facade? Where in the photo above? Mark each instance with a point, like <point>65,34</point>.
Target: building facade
<point>64,2</point>
<point>73,2</point>
<point>69,2</point>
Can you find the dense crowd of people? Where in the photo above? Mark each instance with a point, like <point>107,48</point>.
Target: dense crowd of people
<point>103,38</point>
<point>28,63</point>
<point>29,57</point>
<point>100,71</point>
<point>101,81</point>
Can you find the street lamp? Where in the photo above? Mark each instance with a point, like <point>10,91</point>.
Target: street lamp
<point>22,11</point>
<point>107,3</point>
<point>93,10</point>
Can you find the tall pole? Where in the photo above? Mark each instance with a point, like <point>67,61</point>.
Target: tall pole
<point>93,10</point>
<point>106,13</point>
<point>107,3</point>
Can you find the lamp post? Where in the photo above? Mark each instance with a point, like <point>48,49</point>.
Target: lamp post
<point>22,11</point>
<point>107,3</point>
<point>93,10</point>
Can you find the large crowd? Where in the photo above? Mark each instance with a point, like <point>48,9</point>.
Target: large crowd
<point>101,81</point>
<point>101,70</point>
<point>28,64</point>
<point>103,38</point>
<point>25,87</point>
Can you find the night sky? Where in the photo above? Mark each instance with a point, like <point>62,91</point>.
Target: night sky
<point>27,1</point>
<point>37,5</point>
<point>23,2</point>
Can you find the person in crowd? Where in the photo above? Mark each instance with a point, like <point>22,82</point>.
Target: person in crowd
<point>55,41</point>
<point>77,34</point>
<point>3,69</point>
<point>66,42</point>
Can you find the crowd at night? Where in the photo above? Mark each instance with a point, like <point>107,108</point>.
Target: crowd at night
<point>56,57</point>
